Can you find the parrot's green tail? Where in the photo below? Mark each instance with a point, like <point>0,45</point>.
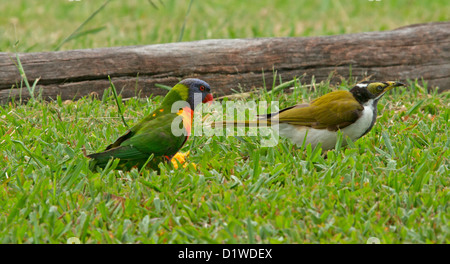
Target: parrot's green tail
<point>95,162</point>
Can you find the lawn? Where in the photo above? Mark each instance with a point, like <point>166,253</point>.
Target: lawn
<point>392,184</point>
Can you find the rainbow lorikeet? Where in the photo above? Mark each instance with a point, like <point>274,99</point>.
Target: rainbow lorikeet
<point>162,133</point>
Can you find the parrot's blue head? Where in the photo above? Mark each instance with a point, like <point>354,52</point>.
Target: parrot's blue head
<point>199,91</point>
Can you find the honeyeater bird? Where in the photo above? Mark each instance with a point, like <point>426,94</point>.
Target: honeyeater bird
<point>161,133</point>
<point>352,112</point>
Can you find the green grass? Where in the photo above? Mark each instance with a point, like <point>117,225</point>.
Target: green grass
<point>391,184</point>
<point>44,25</point>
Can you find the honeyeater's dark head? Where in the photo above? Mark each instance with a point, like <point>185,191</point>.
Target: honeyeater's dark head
<point>367,90</point>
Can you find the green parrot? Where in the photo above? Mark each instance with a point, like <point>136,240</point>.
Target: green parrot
<point>162,133</point>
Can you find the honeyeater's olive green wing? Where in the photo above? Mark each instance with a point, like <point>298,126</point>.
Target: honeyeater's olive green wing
<point>332,111</point>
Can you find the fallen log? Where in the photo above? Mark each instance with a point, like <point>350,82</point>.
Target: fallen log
<point>417,51</point>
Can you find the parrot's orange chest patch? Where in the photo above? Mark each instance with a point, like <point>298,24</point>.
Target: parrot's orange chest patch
<point>186,114</point>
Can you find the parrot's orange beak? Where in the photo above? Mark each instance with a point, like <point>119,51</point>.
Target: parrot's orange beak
<point>208,99</point>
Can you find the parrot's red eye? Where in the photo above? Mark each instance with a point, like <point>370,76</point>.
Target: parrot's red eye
<point>202,88</point>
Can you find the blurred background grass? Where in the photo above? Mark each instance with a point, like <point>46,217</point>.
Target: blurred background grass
<point>43,25</point>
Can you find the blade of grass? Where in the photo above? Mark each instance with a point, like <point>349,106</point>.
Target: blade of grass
<point>153,4</point>
<point>145,164</point>
<point>339,140</point>
<point>415,107</point>
<point>192,144</point>
<point>113,88</point>
<point>86,32</point>
<point>387,142</point>
<point>38,162</point>
<point>75,32</point>
<point>162,86</point>
<point>251,235</point>
<point>282,86</point>
<point>31,88</point>
<point>16,209</point>
<point>180,37</point>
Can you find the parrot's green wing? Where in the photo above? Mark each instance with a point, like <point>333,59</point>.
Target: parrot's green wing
<point>158,113</point>
<point>156,137</point>
<point>136,145</point>
<point>325,112</point>
<point>121,139</point>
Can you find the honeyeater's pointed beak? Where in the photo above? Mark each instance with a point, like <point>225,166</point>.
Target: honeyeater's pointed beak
<point>393,85</point>
<point>389,86</point>
<point>397,84</point>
